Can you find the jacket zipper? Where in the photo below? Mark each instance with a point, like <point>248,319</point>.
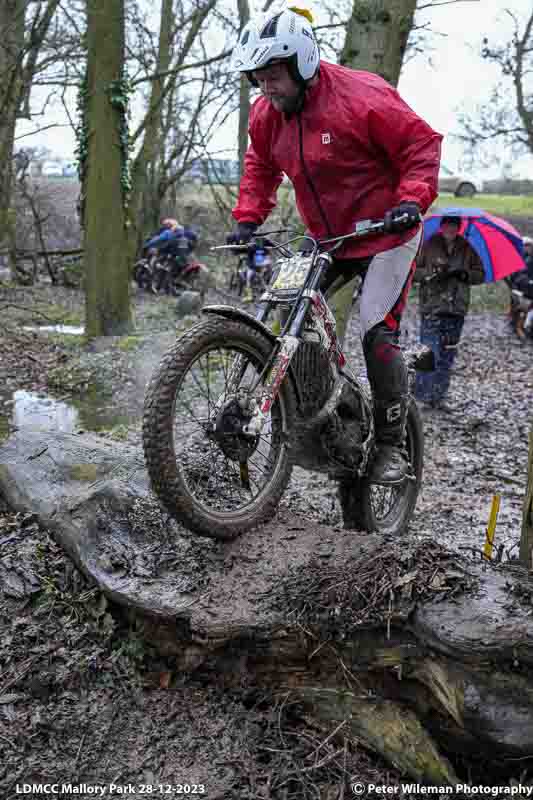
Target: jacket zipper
<point>310,181</point>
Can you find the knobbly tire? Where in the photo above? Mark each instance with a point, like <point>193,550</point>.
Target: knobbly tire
<point>359,498</point>
<point>166,472</point>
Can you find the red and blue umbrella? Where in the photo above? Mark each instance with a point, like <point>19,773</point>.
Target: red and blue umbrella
<point>498,244</point>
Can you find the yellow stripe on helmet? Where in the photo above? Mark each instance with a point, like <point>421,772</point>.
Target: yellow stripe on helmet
<point>303,12</point>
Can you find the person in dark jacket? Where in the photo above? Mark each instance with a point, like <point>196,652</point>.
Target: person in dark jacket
<point>353,150</point>
<point>172,238</point>
<point>446,268</point>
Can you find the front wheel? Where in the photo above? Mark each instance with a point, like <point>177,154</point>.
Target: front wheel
<point>387,509</point>
<point>208,474</point>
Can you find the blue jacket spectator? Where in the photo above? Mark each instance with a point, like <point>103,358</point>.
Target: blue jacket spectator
<point>173,239</point>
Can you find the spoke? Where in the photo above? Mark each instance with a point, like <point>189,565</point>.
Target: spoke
<point>266,458</point>
<point>206,379</point>
<point>200,421</point>
<point>259,469</point>
<point>383,500</point>
<point>209,464</point>
<point>208,388</point>
<point>200,387</point>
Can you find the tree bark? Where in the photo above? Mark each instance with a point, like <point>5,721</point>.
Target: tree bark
<point>526,539</point>
<point>145,160</point>
<point>244,92</point>
<point>376,36</point>
<point>151,152</point>
<point>416,651</point>
<point>106,256</point>
<point>12,15</point>
<point>244,114</point>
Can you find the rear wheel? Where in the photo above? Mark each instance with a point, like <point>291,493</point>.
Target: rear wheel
<point>209,475</point>
<point>387,509</point>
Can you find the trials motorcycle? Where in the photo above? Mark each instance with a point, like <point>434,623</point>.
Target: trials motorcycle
<point>254,271</point>
<point>232,407</point>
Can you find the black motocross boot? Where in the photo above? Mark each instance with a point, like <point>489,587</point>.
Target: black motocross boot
<point>390,466</point>
<point>387,373</point>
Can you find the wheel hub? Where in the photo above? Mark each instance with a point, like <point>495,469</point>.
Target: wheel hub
<point>228,432</point>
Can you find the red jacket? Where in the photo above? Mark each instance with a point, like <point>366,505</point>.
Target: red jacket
<point>364,151</point>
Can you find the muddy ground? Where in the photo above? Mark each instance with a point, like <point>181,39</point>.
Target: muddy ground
<point>82,700</point>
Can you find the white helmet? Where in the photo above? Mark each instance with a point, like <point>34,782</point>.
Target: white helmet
<point>527,240</point>
<point>278,35</point>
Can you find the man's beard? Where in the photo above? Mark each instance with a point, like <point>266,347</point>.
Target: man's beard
<point>289,104</point>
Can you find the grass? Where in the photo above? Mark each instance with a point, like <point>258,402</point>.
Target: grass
<point>490,297</point>
<point>55,314</point>
<point>499,204</point>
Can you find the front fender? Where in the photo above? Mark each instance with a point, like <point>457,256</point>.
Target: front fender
<point>236,313</point>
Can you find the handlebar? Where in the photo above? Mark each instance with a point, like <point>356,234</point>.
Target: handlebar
<point>363,228</point>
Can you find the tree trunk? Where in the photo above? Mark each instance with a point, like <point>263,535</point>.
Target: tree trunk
<point>244,92</point>
<point>151,146</point>
<point>106,256</point>
<point>152,149</point>
<point>12,14</point>
<point>526,540</point>
<point>420,653</point>
<point>376,36</point>
<point>244,113</point>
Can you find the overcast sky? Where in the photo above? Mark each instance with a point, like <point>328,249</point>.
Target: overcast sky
<point>457,77</point>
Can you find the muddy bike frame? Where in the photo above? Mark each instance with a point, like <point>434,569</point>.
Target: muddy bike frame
<point>309,319</point>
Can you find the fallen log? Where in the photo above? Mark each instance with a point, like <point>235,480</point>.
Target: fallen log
<point>419,652</point>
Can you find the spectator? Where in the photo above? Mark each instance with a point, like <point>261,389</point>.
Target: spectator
<point>446,268</point>
<point>172,239</point>
<point>528,256</point>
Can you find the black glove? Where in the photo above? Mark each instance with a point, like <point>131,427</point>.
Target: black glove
<point>242,233</point>
<point>401,217</point>
<point>460,274</point>
<point>306,245</point>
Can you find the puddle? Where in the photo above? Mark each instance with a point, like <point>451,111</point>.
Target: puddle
<point>30,410</point>
<point>72,329</point>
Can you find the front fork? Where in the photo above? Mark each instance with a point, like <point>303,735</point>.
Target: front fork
<point>288,342</point>
<point>270,387</point>
<point>258,409</point>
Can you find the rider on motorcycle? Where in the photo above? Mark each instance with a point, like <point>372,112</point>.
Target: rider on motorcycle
<point>173,240</point>
<point>258,261</point>
<point>353,150</point>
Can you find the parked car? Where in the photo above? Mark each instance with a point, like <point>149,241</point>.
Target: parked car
<point>52,169</point>
<point>70,170</point>
<point>459,184</point>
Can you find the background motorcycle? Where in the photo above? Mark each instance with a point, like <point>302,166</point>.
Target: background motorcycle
<point>171,274</point>
<point>255,268</point>
<point>232,407</point>
<point>144,270</point>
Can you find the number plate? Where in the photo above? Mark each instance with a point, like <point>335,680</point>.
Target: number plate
<point>292,273</point>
